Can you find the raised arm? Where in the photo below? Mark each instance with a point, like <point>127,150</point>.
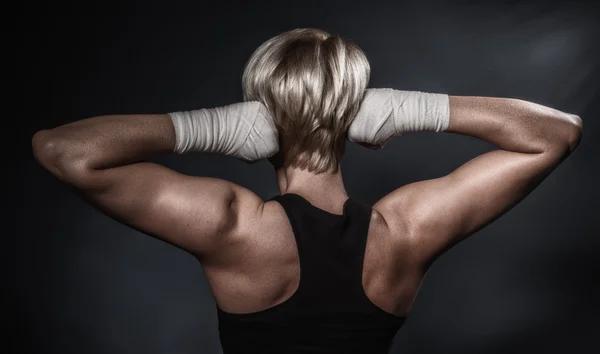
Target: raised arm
<point>104,158</point>
<point>533,139</point>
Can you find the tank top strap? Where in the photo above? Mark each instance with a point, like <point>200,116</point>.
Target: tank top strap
<point>330,247</point>
<point>355,240</point>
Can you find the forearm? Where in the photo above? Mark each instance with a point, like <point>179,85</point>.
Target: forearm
<point>104,142</point>
<point>514,125</point>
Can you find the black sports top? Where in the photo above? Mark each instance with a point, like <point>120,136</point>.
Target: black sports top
<point>329,312</point>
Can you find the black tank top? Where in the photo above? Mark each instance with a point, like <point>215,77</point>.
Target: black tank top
<point>329,312</point>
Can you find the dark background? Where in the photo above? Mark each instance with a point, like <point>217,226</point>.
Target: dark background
<point>79,282</point>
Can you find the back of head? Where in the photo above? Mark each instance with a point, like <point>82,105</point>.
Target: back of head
<point>312,83</point>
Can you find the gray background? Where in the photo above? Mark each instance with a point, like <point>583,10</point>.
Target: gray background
<point>80,282</point>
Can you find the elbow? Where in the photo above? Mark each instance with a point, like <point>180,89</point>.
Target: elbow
<point>567,136</point>
<point>52,153</point>
<point>43,146</point>
<point>45,150</point>
<point>575,133</point>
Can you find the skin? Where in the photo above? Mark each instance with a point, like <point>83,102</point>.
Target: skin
<point>246,245</point>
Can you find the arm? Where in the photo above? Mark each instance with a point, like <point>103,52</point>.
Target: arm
<point>441,212</point>
<point>102,157</point>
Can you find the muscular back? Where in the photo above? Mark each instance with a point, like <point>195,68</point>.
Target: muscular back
<point>414,224</point>
<point>261,268</point>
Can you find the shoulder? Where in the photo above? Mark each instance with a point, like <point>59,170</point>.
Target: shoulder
<point>396,215</point>
<point>244,212</point>
<point>247,209</point>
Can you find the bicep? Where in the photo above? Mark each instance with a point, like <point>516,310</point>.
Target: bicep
<point>189,212</point>
<point>446,210</point>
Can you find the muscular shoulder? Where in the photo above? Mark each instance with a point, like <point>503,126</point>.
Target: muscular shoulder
<point>395,216</point>
<point>248,209</point>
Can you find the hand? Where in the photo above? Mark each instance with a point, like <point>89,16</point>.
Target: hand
<point>262,141</point>
<point>372,127</point>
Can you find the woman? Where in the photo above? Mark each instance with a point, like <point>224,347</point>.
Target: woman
<point>311,270</point>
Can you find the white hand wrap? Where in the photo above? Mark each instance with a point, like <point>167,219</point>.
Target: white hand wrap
<point>244,130</point>
<point>386,113</point>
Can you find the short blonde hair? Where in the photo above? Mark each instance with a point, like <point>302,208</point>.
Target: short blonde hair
<point>312,83</point>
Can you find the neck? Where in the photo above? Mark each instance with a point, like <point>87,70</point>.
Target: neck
<point>326,186</point>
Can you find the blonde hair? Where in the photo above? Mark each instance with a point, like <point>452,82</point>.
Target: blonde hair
<point>312,83</point>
